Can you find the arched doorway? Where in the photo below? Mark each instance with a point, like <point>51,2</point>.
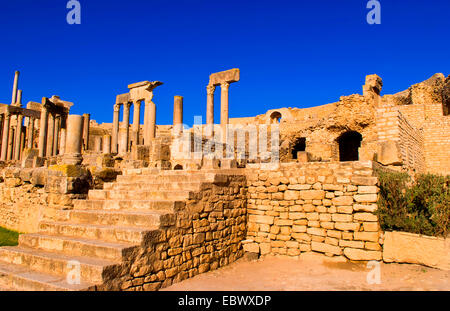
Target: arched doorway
<point>275,117</point>
<point>300,145</point>
<point>349,143</point>
<point>178,167</point>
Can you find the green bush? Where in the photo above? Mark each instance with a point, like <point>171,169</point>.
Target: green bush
<point>420,205</point>
<point>8,237</point>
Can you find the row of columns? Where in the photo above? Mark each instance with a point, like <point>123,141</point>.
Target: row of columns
<point>14,139</point>
<point>149,123</point>
<point>52,135</point>
<point>224,119</point>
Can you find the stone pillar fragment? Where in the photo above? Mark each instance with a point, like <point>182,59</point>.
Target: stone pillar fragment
<point>151,121</point>
<point>50,134</point>
<point>126,122</point>
<point>56,135</point>
<point>224,109</point>
<point>62,143</point>
<point>86,120</point>
<point>178,115</point>
<point>106,144</point>
<point>74,138</point>
<point>6,124</point>
<point>15,86</point>
<point>210,109</point>
<point>18,137</point>
<point>43,127</point>
<point>115,129</point>
<point>136,121</point>
<point>30,133</point>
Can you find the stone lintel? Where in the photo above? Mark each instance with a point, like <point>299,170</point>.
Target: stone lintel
<point>230,76</point>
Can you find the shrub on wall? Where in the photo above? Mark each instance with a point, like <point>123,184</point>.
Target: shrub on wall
<point>418,206</point>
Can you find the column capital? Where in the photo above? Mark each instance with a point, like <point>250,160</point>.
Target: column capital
<point>224,86</point>
<point>210,89</point>
<point>117,107</point>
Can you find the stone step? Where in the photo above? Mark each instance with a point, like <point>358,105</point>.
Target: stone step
<point>159,205</point>
<point>152,186</point>
<point>77,246</point>
<point>20,278</point>
<point>92,270</point>
<point>139,194</point>
<point>149,219</point>
<point>186,177</point>
<point>132,235</point>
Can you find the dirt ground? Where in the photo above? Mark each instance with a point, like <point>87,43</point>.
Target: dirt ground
<point>314,272</point>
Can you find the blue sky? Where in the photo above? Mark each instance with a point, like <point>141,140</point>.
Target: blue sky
<point>291,53</point>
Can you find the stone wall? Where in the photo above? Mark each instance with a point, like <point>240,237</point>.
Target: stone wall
<point>393,127</point>
<point>322,207</point>
<point>203,235</point>
<point>28,196</point>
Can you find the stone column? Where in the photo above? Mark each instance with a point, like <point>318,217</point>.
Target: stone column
<point>74,139</point>
<point>19,98</point>
<point>30,133</point>
<point>15,85</point>
<point>151,121</point>
<point>43,127</point>
<point>56,135</point>
<point>50,134</point>
<point>126,122</point>
<point>106,144</point>
<point>11,140</point>
<point>6,124</point>
<point>136,121</point>
<point>98,144</point>
<point>86,120</point>
<point>178,115</point>
<point>115,129</point>
<point>18,138</point>
<point>224,109</point>
<point>146,112</point>
<point>62,143</point>
<point>210,109</point>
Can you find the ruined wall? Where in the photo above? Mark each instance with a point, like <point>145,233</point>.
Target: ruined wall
<point>322,207</point>
<point>28,196</point>
<point>392,126</point>
<point>203,235</point>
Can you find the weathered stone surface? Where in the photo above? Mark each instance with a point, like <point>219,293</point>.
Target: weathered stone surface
<point>360,254</point>
<point>406,247</point>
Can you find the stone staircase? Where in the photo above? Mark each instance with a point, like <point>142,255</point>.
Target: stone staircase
<point>99,234</point>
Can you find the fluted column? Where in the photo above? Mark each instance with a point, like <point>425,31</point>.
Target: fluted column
<point>126,122</point>
<point>18,137</point>
<point>50,134</point>
<point>115,129</point>
<point>210,109</point>
<point>11,139</point>
<point>62,141</point>
<point>136,121</point>
<point>178,115</point>
<point>6,124</point>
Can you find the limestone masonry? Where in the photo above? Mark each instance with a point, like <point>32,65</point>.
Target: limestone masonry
<point>134,205</point>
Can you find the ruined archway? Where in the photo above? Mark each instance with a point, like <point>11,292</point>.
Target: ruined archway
<point>178,167</point>
<point>349,143</point>
<point>299,145</point>
<point>275,117</point>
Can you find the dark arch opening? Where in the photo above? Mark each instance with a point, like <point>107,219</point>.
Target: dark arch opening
<point>177,167</point>
<point>446,107</point>
<point>300,145</point>
<point>275,117</point>
<point>349,143</point>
